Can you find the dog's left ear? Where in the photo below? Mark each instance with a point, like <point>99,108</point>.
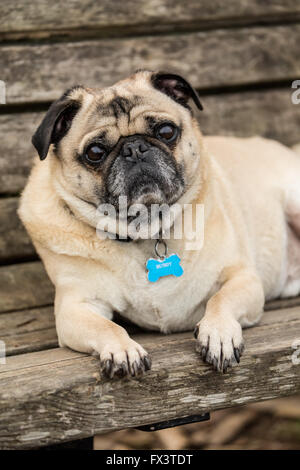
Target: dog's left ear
<point>56,123</point>
<point>176,87</point>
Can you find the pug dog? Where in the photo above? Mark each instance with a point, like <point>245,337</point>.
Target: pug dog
<point>139,139</point>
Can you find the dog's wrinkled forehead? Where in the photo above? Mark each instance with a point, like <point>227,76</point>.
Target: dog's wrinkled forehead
<point>118,107</point>
<point>121,108</point>
<point>139,91</point>
<point>131,98</point>
<point>126,108</point>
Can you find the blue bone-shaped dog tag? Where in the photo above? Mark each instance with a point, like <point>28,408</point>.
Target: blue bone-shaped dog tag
<point>160,268</point>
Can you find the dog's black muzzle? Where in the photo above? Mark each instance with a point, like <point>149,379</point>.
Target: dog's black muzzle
<point>139,156</point>
<point>135,150</point>
<point>142,165</point>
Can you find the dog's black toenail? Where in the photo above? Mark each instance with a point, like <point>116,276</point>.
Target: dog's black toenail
<point>107,367</point>
<point>208,358</point>
<point>147,362</point>
<point>141,367</point>
<point>221,355</point>
<point>196,331</point>
<point>119,372</point>
<point>237,355</point>
<point>124,368</point>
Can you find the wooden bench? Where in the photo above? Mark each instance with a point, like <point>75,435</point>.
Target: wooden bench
<point>242,57</point>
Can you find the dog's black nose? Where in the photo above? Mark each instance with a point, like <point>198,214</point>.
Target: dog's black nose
<point>135,150</point>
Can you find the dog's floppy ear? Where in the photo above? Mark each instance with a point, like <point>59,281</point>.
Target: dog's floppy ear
<point>55,124</point>
<point>176,87</point>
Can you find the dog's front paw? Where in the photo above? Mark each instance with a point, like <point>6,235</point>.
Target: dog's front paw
<point>124,358</point>
<point>219,341</point>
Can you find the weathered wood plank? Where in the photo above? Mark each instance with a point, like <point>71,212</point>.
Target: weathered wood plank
<point>57,395</point>
<point>33,329</point>
<point>16,150</point>
<point>279,304</point>
<point>21,18</point>
<point>24,285</point>
<point>14,241</point>
<point>28,330</point>
<point>31,341</point>
<point>266,112</point>
<point>209,59</point>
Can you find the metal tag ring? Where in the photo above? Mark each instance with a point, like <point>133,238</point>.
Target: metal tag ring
<point>162,242</point>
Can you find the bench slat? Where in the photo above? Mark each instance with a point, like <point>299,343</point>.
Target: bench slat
<point>28,330</point>
<point>26,285</point>
<point>266,112</point>
<point>208,59</point>
<point>14,241</point>
<point>58,395</point>
<point>34,329</point>
<point>23,286</point>
<point>43,17</point>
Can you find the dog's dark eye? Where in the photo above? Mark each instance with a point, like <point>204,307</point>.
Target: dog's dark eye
<point>95,153</point>
<point>167,132</point>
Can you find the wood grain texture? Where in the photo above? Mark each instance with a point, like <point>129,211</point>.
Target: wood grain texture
<point>14,241</point>
<point>25,18</point>
<point>24,285</point>
<point>34,329</point>
<point>16,150</point>
<point>279,304</point>
<point>58,395</point>
<point>208,59</point>
<point>28,330</point>
<point>269,113</point>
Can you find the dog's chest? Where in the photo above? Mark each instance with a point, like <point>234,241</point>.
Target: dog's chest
<point>169,304</point>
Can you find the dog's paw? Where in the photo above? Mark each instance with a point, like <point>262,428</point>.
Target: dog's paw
<point>219,342</point>
<point>121,359</point>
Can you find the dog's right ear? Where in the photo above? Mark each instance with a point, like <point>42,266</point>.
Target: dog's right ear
<point>56,123</point>
<point>176,87</point>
